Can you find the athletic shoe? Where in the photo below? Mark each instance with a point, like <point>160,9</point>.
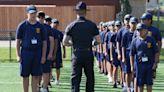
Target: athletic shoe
<point>57,82</point>
<point>45,90</point>
<point>124,89</point>
<point>115,85</point>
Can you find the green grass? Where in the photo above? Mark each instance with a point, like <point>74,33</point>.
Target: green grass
<point>5,54</point>
<point>10,80</point>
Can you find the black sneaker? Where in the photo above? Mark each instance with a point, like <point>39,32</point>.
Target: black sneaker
<point>122,85</point>
<point>118,82</point>
<point>52,79</point>
<point>48,89</point>
<point>49,84</point>
<point>115,85</point>
<point>106,73</point>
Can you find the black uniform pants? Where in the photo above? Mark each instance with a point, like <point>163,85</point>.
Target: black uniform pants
<point>78,64</point>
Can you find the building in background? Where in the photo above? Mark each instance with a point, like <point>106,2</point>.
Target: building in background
<point>13,11</point>
<point>152,4</point>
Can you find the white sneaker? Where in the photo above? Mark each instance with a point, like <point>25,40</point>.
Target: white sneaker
<point>57,82</point>
<point>132,89</point>
<point>124,89</point>
<point>110,80</point>
<point>44,90</point>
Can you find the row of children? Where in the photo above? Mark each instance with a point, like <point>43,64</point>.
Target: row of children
<point>133,47</point>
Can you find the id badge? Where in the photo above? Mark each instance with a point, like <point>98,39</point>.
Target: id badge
<point>34,41</point>
<point>144,59</point>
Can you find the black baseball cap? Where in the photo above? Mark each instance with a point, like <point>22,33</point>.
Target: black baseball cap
<point>146,16</point>
<point>48,18</point>
<point>141,26</point>
<point>133,20</point>
<point>81,6</point>
<point>55,21</point>
<point>40,14</point>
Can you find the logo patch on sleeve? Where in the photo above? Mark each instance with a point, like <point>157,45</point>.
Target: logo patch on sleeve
<point>148,45</point>
<point>37,30</point>
<point>149,33</point>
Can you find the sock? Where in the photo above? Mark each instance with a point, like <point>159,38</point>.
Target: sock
<point>124,84</point>
<point>131,84</point>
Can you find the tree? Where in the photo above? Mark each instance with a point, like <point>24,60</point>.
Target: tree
<point>125,9</point>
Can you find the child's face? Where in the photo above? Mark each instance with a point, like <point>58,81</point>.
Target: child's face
<point>111,28</point>
<point>132,25</point>
<point>143,32</point>
<point>126,23</point>
<point>117,27</point>
<point>146,21</point>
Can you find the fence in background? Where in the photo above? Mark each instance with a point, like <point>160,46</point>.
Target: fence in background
<point>7,46</point>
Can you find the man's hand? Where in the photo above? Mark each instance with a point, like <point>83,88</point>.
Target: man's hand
<point>43,60</point>
<point>155,66</point>
<point>19,59</point>
<point>119,57</point>
<point>49,57</point>
<point>132,69</point>
<point>111,59</point>
<point>123,60</point>
<point>54,64</point>
<point>61,65</point>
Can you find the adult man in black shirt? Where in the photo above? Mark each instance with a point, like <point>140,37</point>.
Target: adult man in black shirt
<point>80,34</point>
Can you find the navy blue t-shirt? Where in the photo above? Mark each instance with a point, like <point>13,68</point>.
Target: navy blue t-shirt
<point>59,36</point>
<point>82,32</point>
<point>107,39</point>
<point>154,32</point>
<point>144,47</point>
<point>28,32</point>
<point>102,35</point>
<point>113,40</point>
<point>127,39</point>
<point>49,34</point>
<point>136,34</point>
<point>119,34</point>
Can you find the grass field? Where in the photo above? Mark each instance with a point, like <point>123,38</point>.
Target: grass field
<point>10,80</point>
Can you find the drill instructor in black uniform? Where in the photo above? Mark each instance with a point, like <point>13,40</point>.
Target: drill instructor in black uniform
<point>80,34</point>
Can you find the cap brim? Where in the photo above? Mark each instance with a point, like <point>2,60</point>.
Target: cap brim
<point>143,18</point>
<point>126,18</point>
<point>139,28</point>
<point>133,22</point>
<point>32,11</point>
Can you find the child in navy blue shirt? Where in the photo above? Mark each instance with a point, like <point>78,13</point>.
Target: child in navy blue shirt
<point>46,67</point>
<point>113,54</point>
<point>147,56</point>
<point>119,41</point>
<point>109,64</point>
<point>31,48</point>
<point>127,37</point>
<point>147,19</point>
<point>58,62</point>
